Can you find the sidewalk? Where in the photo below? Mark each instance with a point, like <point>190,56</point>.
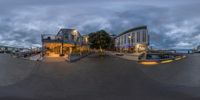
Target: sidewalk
<point>127,56</point>
<point>54,59</point>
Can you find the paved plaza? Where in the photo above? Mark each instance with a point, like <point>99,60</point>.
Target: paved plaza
<point>98,78</point>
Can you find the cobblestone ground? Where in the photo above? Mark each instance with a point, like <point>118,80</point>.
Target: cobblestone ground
<point>93,78</point>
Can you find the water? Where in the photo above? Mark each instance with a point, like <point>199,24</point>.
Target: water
<point>183,50</point>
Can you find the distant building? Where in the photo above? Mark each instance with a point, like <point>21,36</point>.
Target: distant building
<point>198,48</point>
<point>133,40</point>
<point>2,49</point>
<point>10,49</point>
<point>64,43</point>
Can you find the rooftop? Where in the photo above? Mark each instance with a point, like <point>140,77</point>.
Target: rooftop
<point>66,31</point>
<point>132,29</point>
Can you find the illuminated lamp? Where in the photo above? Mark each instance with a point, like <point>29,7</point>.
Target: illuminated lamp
<point>178,58</point>
<point>137,46</point>
<point>149,62</point>
<point>166,61</point>
<point>75,32</point>
<point>183,56</point>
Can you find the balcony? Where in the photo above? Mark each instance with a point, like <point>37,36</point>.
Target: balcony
<point>49,38</point>
<point>57,39</point>
<point>51,41</point>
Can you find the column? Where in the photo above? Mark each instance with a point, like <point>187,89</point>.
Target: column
<point>70,50</point>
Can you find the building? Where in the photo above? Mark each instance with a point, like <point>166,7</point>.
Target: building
<point>133,40</point>
<point>198,49</point>
<point>9,49</point>
<point>67,41</point>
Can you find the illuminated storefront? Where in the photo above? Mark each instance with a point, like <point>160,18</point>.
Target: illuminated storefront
<point>66,42</point>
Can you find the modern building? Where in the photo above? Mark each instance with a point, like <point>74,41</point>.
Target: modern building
<point>67,41</point>
<point>133,40</point>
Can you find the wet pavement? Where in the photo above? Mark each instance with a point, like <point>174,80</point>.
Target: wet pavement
<point>98,78</point>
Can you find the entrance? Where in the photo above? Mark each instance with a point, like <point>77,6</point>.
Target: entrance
<point>56,49</point>
<point>52,49</point>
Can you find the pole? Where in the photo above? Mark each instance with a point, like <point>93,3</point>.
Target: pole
<point>62,46</point>
<point>42,45</point>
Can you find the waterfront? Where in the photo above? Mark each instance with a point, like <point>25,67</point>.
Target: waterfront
<point>108,78</point>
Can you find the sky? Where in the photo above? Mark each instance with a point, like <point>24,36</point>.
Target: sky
<point>171,23</point>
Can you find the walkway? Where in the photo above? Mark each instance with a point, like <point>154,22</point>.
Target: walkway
<point>127,56</point>
<point>97,78</point>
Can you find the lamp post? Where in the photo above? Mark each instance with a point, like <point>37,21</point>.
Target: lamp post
<point>75,34</point>
<point>42,52</point>
<point>62,44</point>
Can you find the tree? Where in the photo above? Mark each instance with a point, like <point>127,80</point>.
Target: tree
<point>99,40</point>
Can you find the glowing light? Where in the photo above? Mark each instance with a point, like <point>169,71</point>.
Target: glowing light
<point>184,57</point>
<point>178,58</point>
<point>166,61</point>
<point>129,37</point>
<point>149,62</point>
<point>86,39</point>
<point>53,55</point>
<point>75,32</point>
<point>138,45</point>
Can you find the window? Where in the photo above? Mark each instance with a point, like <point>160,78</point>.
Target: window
<point>133,38</point>
<point>49,38</point>
<point>66,36</point>
<point>128,37</point>
<point>138,36</point>
<point>124,39</point>
<point>60,33</point>
<point>144,36</point>
<point>72,37</point>
<point>120,40</point>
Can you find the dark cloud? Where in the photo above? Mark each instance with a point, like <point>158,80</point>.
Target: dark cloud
<point>172,24</point>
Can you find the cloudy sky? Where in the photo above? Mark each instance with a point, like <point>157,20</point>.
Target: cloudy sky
<point>171,23</point>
